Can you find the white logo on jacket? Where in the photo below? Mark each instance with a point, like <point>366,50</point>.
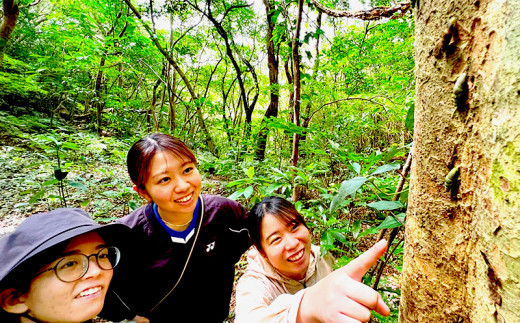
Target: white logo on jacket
<point>210,247</point>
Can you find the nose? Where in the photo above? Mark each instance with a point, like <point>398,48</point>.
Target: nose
<point>181,185</point>
<point>93,267</point>
<point>291,242</point>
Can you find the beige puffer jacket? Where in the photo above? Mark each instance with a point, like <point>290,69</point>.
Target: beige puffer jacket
<point>265,295</point>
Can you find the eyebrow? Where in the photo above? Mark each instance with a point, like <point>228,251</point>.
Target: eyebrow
<point>166,171</point>
<point>75,251</point>
<point>158,174</point>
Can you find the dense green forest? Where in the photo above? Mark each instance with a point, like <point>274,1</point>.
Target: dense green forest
<point>274,97</point>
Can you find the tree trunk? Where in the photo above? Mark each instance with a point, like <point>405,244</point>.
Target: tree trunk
<point>172,87</point>
<point>11,12</point>
<point>297,95</point>
<point>307,114</point>
<point>209,141</point>
<point>462,251</point>
<point>99,98</point>
<point>272,63</point>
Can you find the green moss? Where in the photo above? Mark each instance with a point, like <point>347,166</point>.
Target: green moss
<point>505,178</point>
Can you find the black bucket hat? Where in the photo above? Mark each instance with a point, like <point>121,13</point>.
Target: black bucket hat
<point>42,231</point>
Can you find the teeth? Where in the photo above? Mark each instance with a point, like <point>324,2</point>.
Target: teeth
<point>90,291</point>
<point>296,256</point>
<point>184,199</point>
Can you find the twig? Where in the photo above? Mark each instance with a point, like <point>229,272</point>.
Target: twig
<point>383,265</point>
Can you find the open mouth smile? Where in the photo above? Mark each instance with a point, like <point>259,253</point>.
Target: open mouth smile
<point>185,199</point>
<point>297,256</point>
<point>89,291</point>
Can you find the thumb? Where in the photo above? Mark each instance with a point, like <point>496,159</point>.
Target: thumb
<point>359,266</point>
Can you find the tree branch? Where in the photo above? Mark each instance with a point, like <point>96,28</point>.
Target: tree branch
<point>231,8</point>
<point>34,3</point>
<point>372,14</point>
<point>344,99</point>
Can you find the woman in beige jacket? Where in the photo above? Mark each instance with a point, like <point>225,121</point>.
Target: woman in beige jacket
<point>283,265</point>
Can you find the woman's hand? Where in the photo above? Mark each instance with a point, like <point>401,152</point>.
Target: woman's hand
<point>341,297</point>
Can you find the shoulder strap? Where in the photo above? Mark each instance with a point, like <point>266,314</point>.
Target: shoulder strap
<point>199,224</point>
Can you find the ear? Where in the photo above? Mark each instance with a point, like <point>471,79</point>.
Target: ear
<point>142,193</point>
<point>12,301</point>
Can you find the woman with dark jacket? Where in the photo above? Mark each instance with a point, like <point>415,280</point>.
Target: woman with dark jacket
<point>186,243</point>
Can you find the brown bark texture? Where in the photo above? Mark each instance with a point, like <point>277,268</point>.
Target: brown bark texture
<point>274,95</point>
<point>11,12</point>
<point>462,250</point>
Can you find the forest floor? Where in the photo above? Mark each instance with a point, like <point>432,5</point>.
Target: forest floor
<point>27,170</point>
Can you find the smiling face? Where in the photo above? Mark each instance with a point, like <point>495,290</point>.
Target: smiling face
<point>287,246</point>
<point>52,300</point>
<point>174,185</point>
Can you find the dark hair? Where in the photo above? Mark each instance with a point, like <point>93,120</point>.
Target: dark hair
<point>21,278</point>
<point>140,155</point>
<point>282,209</point>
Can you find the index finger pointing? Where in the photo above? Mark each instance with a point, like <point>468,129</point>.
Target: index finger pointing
<point>359,266</point>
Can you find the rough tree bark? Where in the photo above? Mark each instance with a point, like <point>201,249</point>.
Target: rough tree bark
<point>273,65</point>
<point>462,251</point>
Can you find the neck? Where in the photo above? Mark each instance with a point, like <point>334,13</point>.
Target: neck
<point>175,225</point>
<point>26,318</point>
<point>176,221</point>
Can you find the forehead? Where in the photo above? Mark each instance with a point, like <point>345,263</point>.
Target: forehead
<point>272,224</point>
<point>90,240</point>
<point>166,159</point>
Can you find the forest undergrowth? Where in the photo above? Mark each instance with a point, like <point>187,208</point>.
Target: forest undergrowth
<point>34,156</point>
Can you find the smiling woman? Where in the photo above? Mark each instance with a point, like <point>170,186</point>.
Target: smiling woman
<point>46,271</point>
<point>287,280</point>
<point>186,243</point>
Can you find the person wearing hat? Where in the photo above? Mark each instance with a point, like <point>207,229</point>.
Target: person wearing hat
<point>56,267</point>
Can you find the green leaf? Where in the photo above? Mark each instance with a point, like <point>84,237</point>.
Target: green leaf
<point>273,187</point>
<point>133,204</point>
<point>408,122</point>
<point>79,186</point>
<point>235,183</point>
<point>84,203</point>
<point>347,188</point>
<point>339,235</point>
<point>390,222</point>
<point>49,137</point>
<point>237,194</point>
<point>385,205</point>
<point>36,196</point>
<point>50,182</point>
<point>356,228</point>
<point>69,145</point>
<point>18,205</point>
<point>386,168</point>
<point>111,194</point>
<point>356,167</point>
<point>251,172</point>
<point>248,191</point>
<point>327,239</point>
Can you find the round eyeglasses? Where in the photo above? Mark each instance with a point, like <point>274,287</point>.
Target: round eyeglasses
<point>72,267</point>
